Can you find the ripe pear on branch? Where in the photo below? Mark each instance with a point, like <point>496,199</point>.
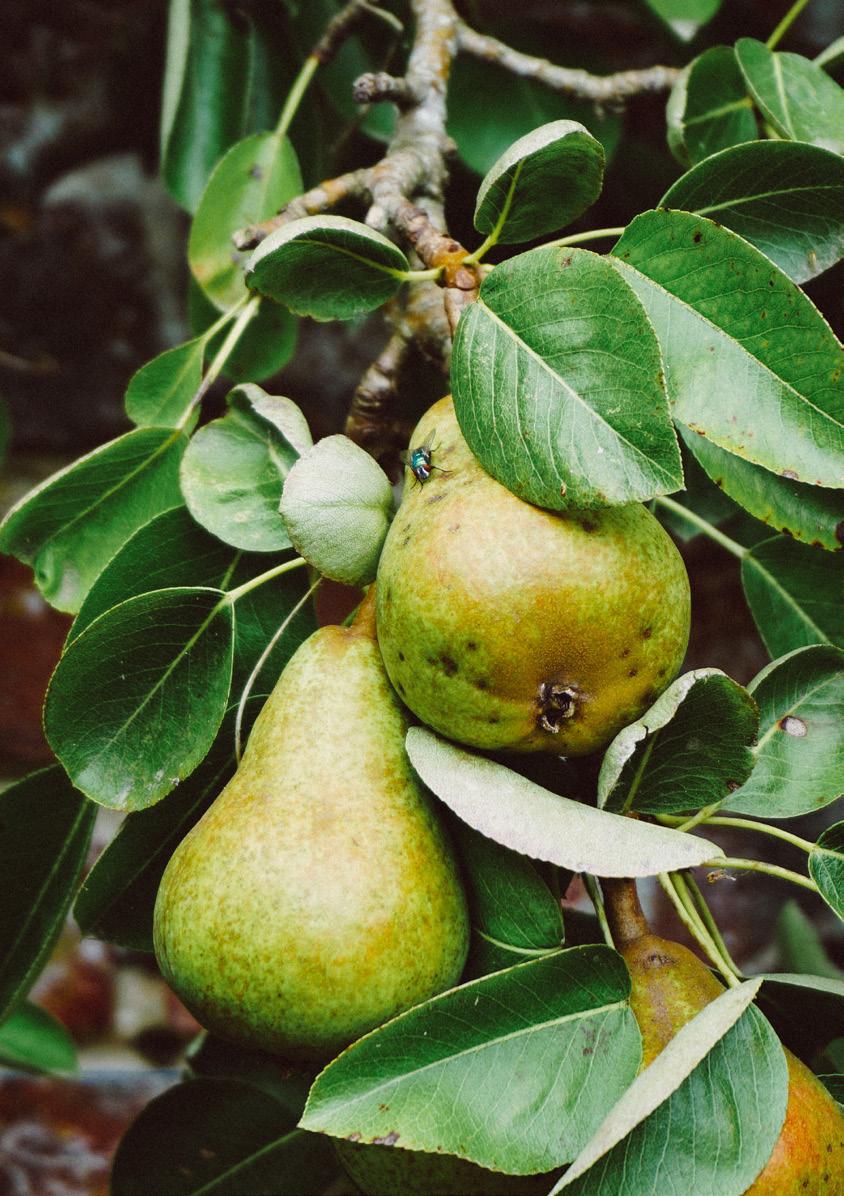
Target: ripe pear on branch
<point>504,626</point>
<point>670,985</point>
<point>318,896</point>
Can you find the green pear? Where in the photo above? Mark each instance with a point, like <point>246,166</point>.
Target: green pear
<point>386,1171</point>
<point>318,896</point>
<point>507,627</point>
<point>669,986</point>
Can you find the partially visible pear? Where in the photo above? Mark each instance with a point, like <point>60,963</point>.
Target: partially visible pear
<point>670,985</point>
<point>390,1171</point>
<point>318,896</point>
<point>504,626</point>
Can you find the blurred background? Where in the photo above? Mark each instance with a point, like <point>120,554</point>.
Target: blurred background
<point>94,284</point>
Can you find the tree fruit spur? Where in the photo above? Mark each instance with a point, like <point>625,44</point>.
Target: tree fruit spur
<point>318,896</point>
<point>504,626</point>
<point>669,986</point>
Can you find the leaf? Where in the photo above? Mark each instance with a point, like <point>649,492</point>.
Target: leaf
<point>684,17</point>
<point>253,180</point>
<point>794,95</point>
<point>510,903</point>
<point>337,505</point>
<point>205,103</point>
<point>794,594</point>
<point>806,1011</point>
<point>558,384</point>
<point>220,1136</point>
<point>800,946</point>
<point>259,615</point>
<point>512,1071</point>
<point>808,513</point>
<point>521,815</point>
<point>265,346</point>
<point>70,526</point>
<point>800,755</point>
<point>693,1121</point>
<point>835,1086</point>
<point>30,1038</point>
<point>327,267</point>
<point>235,468</point>
<point>45,828</point>
<point>689,750</point>
<point>476,88</point>
<point>784,197</point>
<point>545,180</point>
<point>136,700</point>
<point>709,108</point>
<point>214,1058</point>
<point>161,391</point>
<point>750,362</point>
<point>826,867</point>
<point>117,899</point>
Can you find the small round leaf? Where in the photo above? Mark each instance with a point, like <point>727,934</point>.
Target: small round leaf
<point>337,504</point>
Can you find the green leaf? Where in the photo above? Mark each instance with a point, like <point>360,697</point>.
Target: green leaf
<point>206,93</point>
<point>545,180</point>
<point>709,108</point>
<point>558,384</point>
<point>826,866</point>
<point>70,526</point>
<point>117,898</point>
<point>259,614</point>
<point>266,345</point>
<point>806,1011</point>
<point>254,180</point>
<point>327,267</point>
<point>220,1136</point>
<point>794,594</point>
<point>214,1058</point>
<point>521,815</point>
<point>337,505</point>
<point>750,362</point>
<point>784,197</point>
<point>808,513</point>
<point>800,754</point>
<point>693,1121</point>
<point>835,1086</point>
<point>476,88</point>
<point>512,1071</point>
<point>235,468</point>
<point>796,96</point>
<point>30,1038</point>
<point>684,17</point>
<point>161,391</point>
<point>45,828</point>
<point>689,750</point>
<point>800,946</point>
<point>510,903</point>
<point>136,700</point>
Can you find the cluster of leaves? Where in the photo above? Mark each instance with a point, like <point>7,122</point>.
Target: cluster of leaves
<point>579,379</point>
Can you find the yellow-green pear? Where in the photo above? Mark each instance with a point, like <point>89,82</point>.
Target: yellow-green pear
<point>670,985</point>
<point>504,626</point>
<point>318,896</point>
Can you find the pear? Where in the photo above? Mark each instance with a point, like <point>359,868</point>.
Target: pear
<point>669,986</point>
<point>318,896</point>
<point>385,1171</point>
<point>504,626</point>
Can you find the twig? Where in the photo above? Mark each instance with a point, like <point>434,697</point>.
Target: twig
<point>322,198</point>
<point>341,27</point>
<point>601,89</point>
<point>378,86</point>
<point>369,422</point>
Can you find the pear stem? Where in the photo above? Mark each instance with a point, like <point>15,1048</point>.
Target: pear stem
<point>363,622</point>
<point>596,897</point>
<point>625,917</point>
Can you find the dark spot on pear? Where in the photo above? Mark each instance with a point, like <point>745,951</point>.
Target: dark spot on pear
<point>655,959</point>
<point>588,525</point>
<point>493,718</point>
<point>434,498</point>
<point>449,665</point>
<point>647,632</point>
<point>482,683</point>
<point>794,726</point>
<point>625,653</point>
<point>454,527</point>
<point>406,541</point>
<point>402,657</point>
<point>471,646</point>
<point>632,672</point>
